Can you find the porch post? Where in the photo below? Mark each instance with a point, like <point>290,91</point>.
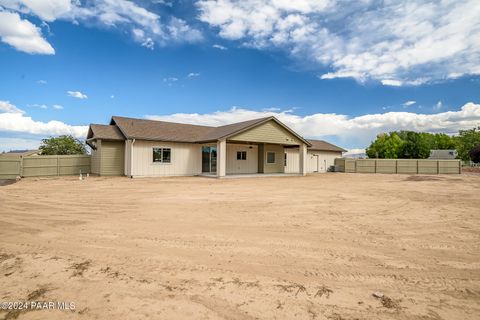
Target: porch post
<point>303,159</point>
<point>221,158</point>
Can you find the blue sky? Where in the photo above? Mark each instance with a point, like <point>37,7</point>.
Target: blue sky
<point>337,71</point>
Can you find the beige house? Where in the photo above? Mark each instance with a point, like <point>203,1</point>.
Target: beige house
<point>147,148</point>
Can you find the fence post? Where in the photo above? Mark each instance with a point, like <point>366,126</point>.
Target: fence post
<point>438,166</point>
<point>58,167</point>
<point>21,167</point>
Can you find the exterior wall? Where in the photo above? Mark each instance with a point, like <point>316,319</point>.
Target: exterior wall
<point>128,157</point>
<point>278,166</point>
<point>186,159</point>
<point>269,132</point>
<point>235,166</point>
<point>112,158</point>
<point>261,158</point>
<point>321,163</point>
<point>95,158</point>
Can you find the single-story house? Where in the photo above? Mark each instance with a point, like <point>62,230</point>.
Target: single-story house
<point>146,148</point>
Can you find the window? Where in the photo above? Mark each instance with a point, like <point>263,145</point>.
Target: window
<point>285,160</point>
<point>270,157</point>
<point>241,155</point>
<point>162,155</point>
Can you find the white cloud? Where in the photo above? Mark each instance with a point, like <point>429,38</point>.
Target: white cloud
<point>57,107</point>
<point>395,42</point>
<point>409,103</point>
<point>115,14</point>
<point>170,81</point>
<point>350,131</point>
<point>14,121</point>
<point>6,106</point>
<point>219,47</point>
<point>8,144</point>
<point>47,10</point>
<point>22,34</point>
<point>77,94</point>
<point>193,75</point>
<point>352,152</point>
<point>388,82</point>
<point>42,82</point>
<point>438,106</point>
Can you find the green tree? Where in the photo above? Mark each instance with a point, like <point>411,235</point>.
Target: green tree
<point>61,145</point>
<point>466,141</point>
<point>385,146</point>
<point>443,142</point>
<point>415,145</point>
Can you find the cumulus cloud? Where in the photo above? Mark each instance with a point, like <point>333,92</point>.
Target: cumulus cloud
<point>13,120</point>
<point>395,42</point>
<point>350,131</point>
<point>77,94</point>
<point>47,10</point>
<point>6,106</point>
<point>146,27</point>
<point>193,75</point>
<point>42,82</point>
<point>57,107</point>
<point>22,34</point>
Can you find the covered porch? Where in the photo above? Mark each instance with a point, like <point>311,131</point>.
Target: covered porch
<point>248,159</point>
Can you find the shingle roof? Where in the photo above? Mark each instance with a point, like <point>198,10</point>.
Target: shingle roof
<point>104,132</point>
<point>321,145</point>
<point>160,130</point>
<point>170,131</point>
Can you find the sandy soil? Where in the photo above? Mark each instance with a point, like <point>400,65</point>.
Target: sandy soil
<point>259,248</point>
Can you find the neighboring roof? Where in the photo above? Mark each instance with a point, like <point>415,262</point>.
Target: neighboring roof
<point>104,132</point>
<point>170,131</point>
<point>321,145</point>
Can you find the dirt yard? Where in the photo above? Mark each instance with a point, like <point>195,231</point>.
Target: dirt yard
<point>317,247</point>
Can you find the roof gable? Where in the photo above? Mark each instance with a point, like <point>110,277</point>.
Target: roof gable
<point>269,132</point>
<point>104,132</point>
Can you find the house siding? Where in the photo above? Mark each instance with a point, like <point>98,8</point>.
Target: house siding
<point>112,161</point>
<point>186,159</point>
<point>250,165</point>
<point>269,132</point>
<point>325,160</point>
<point>278,166</point>
<point>95,158</point>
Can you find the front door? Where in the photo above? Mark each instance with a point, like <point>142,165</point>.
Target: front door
<point>209,159</point>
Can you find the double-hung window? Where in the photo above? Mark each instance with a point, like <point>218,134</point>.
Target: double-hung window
<point>162,155</point>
